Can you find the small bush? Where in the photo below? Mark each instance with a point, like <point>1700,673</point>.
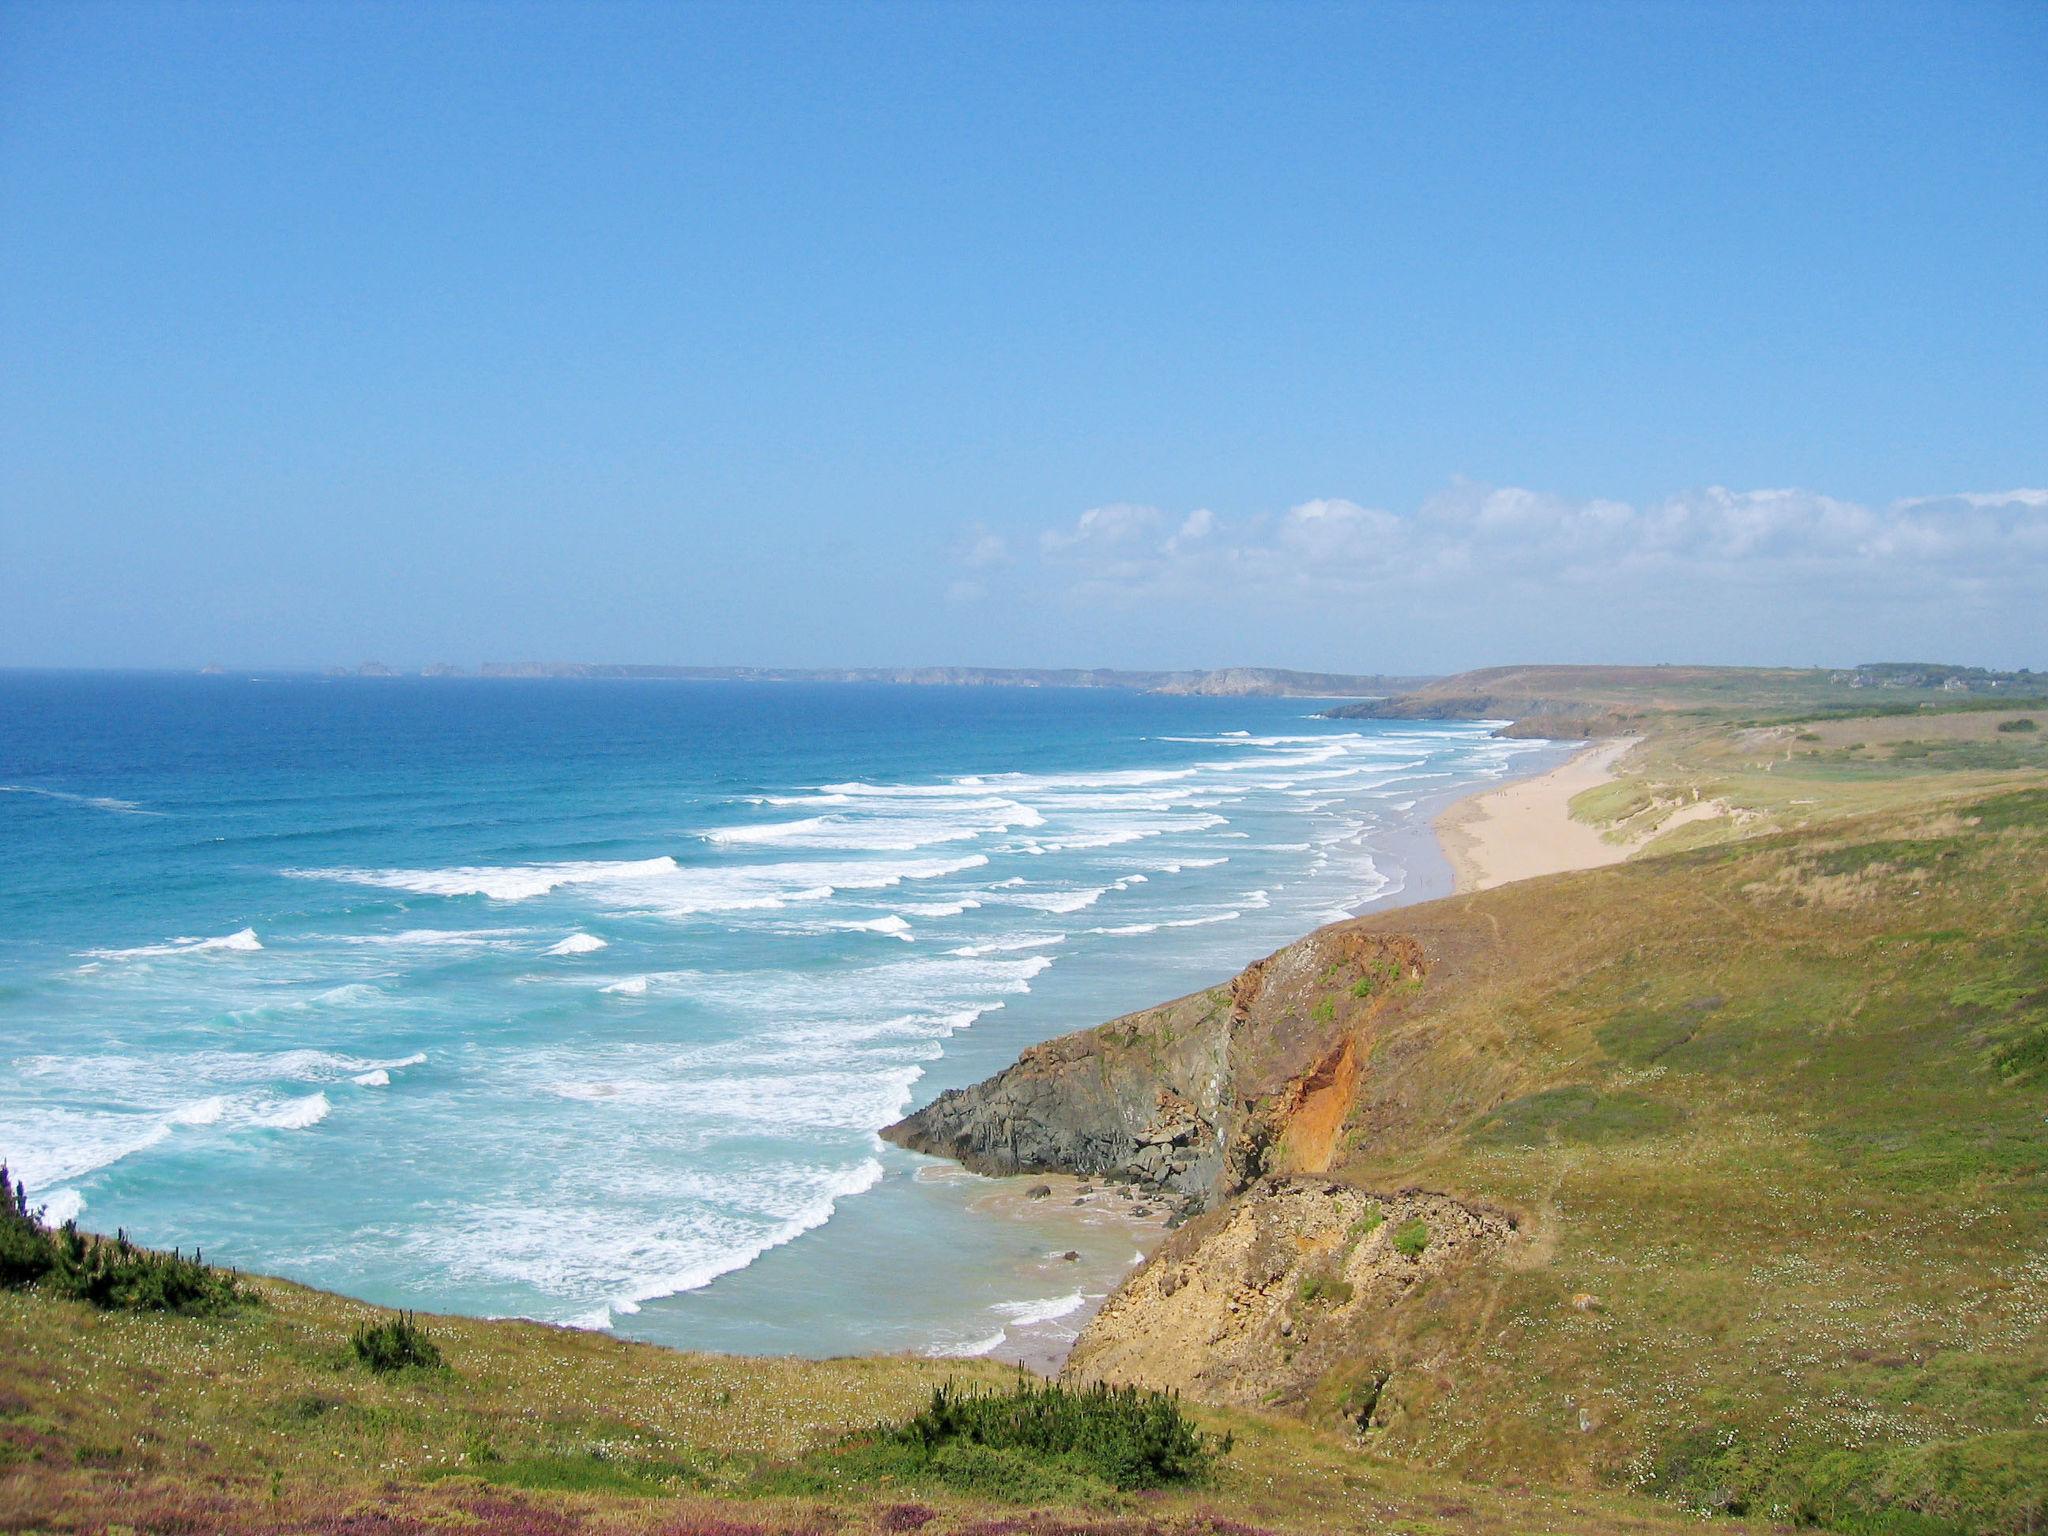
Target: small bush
<point>1411,1237</point>
<point>1325,1011</point>
<point>111,1273</point>
<point>2017,727</point>
<point>1369,1223</point>
<point>396,1344</point>
<point>1323,1285</point>
<point>25,1252</point>
<point>1126,1436</point>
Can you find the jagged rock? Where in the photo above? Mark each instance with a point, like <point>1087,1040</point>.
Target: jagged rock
<point>1188,1097</point>
<point>1038,1192</point>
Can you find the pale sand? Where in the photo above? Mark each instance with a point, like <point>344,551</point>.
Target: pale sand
<point>1524,829</point>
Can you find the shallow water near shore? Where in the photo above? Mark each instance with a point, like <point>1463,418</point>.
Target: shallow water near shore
<point>583,1001</point>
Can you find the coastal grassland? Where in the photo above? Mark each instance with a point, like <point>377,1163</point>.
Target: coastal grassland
<point>1689,785</point>
<point>1566,701</point>
<point>1773,1117</point>
<point>263,1418</point>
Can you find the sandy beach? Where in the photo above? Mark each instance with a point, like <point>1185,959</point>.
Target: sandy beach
<point>1524,829</point>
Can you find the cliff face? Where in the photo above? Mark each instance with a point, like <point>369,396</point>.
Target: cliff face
<point>1201,1096</point>
<point>1261,1302</point>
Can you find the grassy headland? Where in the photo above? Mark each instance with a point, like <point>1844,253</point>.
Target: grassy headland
<point>1717,1178</point>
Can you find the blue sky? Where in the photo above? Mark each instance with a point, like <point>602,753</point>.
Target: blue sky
<point>1405,337</point>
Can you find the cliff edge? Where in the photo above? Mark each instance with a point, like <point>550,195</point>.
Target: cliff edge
<point>1199,1097</point>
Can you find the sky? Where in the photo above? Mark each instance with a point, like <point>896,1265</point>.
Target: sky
<point>1365,337</point>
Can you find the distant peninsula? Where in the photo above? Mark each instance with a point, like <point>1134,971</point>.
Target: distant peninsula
<point>1224,682</point>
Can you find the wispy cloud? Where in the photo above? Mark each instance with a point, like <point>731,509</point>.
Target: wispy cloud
<point>1515,535</point>
<point>1481,572</point>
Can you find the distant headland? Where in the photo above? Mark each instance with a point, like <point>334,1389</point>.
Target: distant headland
<point>1222,682</point>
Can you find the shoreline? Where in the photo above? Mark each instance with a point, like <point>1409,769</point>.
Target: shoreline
<point>1431,872</point>
<point>1523,829</point>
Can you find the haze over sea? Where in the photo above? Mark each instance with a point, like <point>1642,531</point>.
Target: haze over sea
<point>583,1001</point>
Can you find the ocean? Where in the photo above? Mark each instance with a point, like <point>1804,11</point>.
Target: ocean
<point>583,1001</point>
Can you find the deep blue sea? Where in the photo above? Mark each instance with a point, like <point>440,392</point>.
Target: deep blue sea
<point>583,1001</point>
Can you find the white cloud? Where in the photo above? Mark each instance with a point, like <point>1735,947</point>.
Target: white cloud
<point>985,550</point>
<point>1514,537</point>
<point>1480,573</point>
<point>1116,527</point>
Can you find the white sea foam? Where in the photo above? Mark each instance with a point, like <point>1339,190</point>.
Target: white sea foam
<point>938,908</point>
<point>518,882</point>
<point>294,1114</point>
<point>62,1205</point>
<point>959,821</point>
<point>772,832</point>
<point>662,887</point>
<point>639,986</point>
<point>1059,902</point>
<point>51,1144</point>
<point>592,1266</point>
<point>435,938</point>
<point>241,942</point>
<point>1022,1314</point>
<point>348,995</point>
<point>1005,946</point>
<point>967,1349</point>
<point>207,1111</point>
<point>891,925</point>
<point>578,944</point>
<point>91,802</point>
<point>1128,930</point>
<point>375,1079</point>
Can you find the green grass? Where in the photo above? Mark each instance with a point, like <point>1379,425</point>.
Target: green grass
<point>1779,1108</point>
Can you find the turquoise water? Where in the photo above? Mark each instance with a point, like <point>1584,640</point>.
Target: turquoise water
<point>583,1001</point>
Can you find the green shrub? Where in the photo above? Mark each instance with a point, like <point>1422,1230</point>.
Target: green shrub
<point>2016,727</point>
<point>1411,1237</point>
<point>1126,1436</point>
<point>110,1273</point>
<point>1325,1011</point>
<point>1369,1223</point>
<point>25,1252</point>
<point>1381,973</point>
<point>1323,1285</point>
<point>396,1344</point>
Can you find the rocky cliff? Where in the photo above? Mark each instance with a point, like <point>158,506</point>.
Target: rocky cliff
<point>1199,1097</point>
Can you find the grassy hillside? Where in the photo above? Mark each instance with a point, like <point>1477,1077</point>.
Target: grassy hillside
<point>1689,785</point>
<point>1566,701</point>
<point>1768,1117</point>
<point>261,1418</point>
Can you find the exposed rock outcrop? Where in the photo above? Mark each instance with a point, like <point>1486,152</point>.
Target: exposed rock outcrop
<point>1257,1303</point>
<point>1200,1096</point>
